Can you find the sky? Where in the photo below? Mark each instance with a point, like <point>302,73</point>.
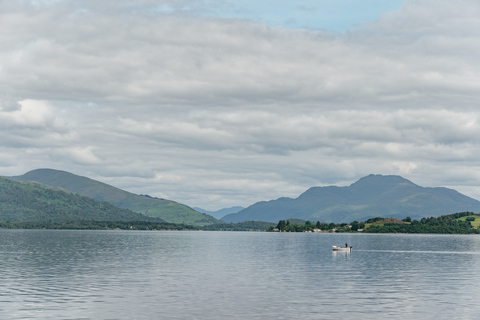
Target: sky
<point>222,103</point>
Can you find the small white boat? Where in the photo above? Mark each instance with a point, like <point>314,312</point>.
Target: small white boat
<point>344,249</point>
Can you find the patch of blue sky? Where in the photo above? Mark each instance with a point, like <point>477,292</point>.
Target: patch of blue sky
<point>333,15</point>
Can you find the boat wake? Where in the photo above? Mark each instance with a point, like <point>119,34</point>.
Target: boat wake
<point>422,251</point>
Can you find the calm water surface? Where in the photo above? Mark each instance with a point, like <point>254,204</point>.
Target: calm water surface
<point>50,274</point>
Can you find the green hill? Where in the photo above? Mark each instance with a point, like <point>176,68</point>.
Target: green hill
<point>371,196</point>
<point>34,202</point>
<point>167,210</point>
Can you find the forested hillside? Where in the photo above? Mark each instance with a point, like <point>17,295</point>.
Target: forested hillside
<point>34,202</point>
<point>167,210</point>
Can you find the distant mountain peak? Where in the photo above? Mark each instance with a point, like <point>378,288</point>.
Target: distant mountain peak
<point>220,213</point>
<point>48,171</point>
<point>381,180</point>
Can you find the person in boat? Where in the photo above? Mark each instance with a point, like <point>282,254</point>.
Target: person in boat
<point>346,245</point>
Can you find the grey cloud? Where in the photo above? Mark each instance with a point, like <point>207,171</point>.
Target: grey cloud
<point>8,104</point>
<point>215,62</point>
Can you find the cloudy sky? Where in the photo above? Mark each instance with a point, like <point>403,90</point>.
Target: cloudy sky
<point>217,103</point>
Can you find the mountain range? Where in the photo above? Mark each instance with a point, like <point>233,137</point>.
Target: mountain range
<point>220,213</point>
<point>369,197</point>
<point>167,210</point>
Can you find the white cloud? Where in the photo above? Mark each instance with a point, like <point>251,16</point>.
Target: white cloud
<point>81,155</point>
<point>33,114</point>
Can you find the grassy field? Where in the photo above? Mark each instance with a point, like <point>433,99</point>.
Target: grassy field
<point>475,223</point>
<point>388,220</point>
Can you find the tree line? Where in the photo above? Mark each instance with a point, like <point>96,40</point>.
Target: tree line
<point>446,224</point>
<point>286,226</point>
<point>97,225</point>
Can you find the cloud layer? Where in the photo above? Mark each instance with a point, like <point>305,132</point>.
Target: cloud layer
<point>218,112</point>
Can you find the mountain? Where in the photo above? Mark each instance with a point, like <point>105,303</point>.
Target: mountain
<point>371,196</point>
<point>167,210</point>
<point>34,202</point>
<point>219,214</point>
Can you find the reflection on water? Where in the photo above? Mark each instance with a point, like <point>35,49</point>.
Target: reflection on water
<point>340,254</point>
<point>239,275</point>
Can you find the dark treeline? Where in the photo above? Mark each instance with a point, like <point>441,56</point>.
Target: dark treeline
<point>135,225</point>
<point>97,225</point>
<point>287,226</point>
<point>241,226</point>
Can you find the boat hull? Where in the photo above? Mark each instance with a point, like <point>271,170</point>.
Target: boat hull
<point>343,249</point>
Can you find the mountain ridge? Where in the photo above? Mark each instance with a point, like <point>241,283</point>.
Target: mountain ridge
<point>167,210</point>
<point>370,196</point>
<point>22,201</point>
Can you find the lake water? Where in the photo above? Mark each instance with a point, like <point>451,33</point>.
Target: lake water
<point>48,274</point>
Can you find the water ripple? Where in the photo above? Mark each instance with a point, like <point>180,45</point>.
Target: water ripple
<point>235,275</point>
